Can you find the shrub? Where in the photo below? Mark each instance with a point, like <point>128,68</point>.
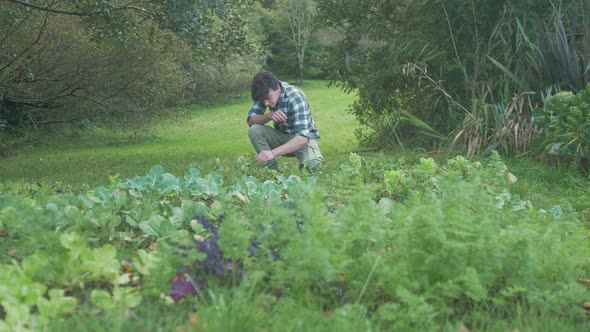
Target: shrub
<point>565,120</point>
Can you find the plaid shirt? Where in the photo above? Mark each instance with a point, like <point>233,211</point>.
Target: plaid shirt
<point>294,104</point>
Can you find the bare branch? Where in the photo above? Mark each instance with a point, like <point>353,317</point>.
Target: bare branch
<point>35,103</point>
<point>28,4</point>
<point>28,47</point>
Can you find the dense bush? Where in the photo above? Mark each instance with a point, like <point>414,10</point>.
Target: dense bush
<point>471,71</point>
<point>565,121</point>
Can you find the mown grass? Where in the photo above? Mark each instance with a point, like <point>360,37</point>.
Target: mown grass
<point>546,185</point>
<point>195,135</point>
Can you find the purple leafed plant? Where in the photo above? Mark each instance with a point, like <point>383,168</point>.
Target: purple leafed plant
<point>214,263</point>
<point>181,286</point>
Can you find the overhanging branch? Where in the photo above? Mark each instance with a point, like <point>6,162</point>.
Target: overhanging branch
<point>77,13</point>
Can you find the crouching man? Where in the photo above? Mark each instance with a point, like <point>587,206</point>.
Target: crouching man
<point>294,133</point>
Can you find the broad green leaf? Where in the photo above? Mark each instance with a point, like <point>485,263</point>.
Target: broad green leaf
<point>147,262</point>
<point>556,211</point>
<point>18,316</point>
<point>155,172</point>
<point>101,299</point>
<point>57,305</point>
<point>192,209</point>
<point>102,263</point>
<point>127,297</point>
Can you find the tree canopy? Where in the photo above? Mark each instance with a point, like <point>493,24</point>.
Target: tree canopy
<point>112,55</point>
<point>208,25</point>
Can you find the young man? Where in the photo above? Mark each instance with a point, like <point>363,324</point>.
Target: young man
<point>294,133</point>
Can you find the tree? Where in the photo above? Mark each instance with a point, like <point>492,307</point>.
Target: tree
<point>206,24</point>
<point>299,15</point>
<point>63,60</point>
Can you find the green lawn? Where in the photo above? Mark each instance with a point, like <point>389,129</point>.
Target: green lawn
<point>197,137</point>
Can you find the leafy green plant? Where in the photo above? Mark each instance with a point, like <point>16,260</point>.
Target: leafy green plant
<point>376,244</point>
<point>565,50</point>
<point>565,120</point>
<point>34,292</point>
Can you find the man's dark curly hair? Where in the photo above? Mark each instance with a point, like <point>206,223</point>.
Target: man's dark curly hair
<point>261,82</point>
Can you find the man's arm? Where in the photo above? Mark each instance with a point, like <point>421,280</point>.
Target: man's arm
<point>291,146</point>
<point>258,119</point>
<point>277,116</point>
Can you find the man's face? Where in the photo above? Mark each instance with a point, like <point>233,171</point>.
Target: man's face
<point>272,97</point>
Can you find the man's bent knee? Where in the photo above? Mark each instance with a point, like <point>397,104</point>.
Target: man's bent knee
<point>255,130</point>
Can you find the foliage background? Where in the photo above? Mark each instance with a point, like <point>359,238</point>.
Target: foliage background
<point>472,71</point>
<point>429,74</point>
<point>83,64</point>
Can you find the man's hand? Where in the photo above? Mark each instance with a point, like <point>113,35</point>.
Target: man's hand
<point>278,116</point>
<point>291,146</point>
<point>265,156</point>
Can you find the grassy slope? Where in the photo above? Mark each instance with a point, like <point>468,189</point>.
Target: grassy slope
<point>198,137</point>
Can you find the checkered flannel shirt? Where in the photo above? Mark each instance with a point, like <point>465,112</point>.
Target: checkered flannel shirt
<point>293,102</point>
